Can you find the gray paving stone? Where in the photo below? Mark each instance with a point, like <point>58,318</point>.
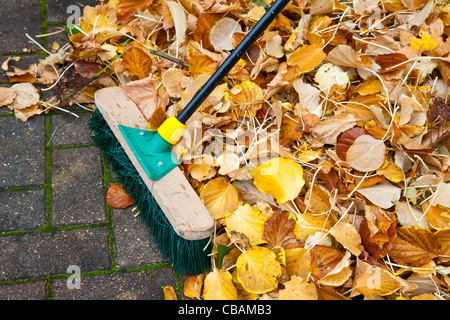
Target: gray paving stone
<point>22,210</point>
<point>19,17</point>
<point>138,285</point>
<point>36,290</point>
<point>35,255</point>
<point>69,130</point>
<point>134,245</point>
<point>22,152</point>
<point>78,193</point>
<point>62,38</point>
<point>57,9</point>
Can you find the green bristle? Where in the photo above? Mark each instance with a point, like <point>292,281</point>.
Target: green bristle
<point>190,257</point>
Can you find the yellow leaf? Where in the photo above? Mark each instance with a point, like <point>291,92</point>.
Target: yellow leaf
<point>298,289</point>
<point>248,96</point>
<point>203,170</point>
<point>137,62</point>
<point>193,286</point>
<point>298,262</point>
<point>169,293</point>
<point>373,281</point>
<point>438,216</point>
<point>391,171</point>
<point>220,198</point>
<point>258,270</point>
<point>201,64</point>
<point>249,221</point>
<point>306,58</point>
<point>425,43</point>
<point>279,177</point>
<point>309,223</point>
<point>219,286</point>
<point>347,235</point>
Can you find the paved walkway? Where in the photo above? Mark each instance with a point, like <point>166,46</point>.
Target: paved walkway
<point>54,220</point>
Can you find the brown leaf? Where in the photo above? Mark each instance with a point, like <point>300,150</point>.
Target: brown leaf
<point>127,8</point>
<point>345,56</point>
<point>323,260</point>
<point>117,197</point>
<point>290,130</point>
<point>205,22</point>
<point>377,251</point>
<point>7,96</point>
<point>87,69</point>
<point>366,153</point>
<point>137,62</point>
<point>390,62</point>
<point>279,228</point>
<point>346,139</point>
<point>415,246</point>
<point>145,95</point>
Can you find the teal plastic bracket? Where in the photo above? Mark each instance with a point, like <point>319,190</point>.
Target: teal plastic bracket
<point>151,150</point>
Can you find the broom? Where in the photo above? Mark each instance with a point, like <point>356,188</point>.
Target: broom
<point>177,219</point>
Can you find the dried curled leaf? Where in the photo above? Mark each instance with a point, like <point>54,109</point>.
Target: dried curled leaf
<point>117,197</point>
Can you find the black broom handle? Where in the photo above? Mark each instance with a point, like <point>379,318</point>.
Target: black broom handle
<point>231,60</point>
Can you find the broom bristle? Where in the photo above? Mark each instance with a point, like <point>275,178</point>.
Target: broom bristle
<point>190,257</point>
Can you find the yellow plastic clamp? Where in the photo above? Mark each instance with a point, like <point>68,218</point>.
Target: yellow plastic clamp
<point>172,130</point>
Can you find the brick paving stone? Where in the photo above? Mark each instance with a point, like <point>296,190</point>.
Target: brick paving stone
<point>19,17</point>
<point>41,254</point>
<point>22,210</point>
<point>134,245</point>
<point>78,193</point>
<point>22,152</point>
<point>35,290</point>
<point>57,9</point>
<point>137,285</point>
<point>69,130</point>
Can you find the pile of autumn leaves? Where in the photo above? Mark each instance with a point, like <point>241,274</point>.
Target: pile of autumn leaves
<point>323,156</point>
